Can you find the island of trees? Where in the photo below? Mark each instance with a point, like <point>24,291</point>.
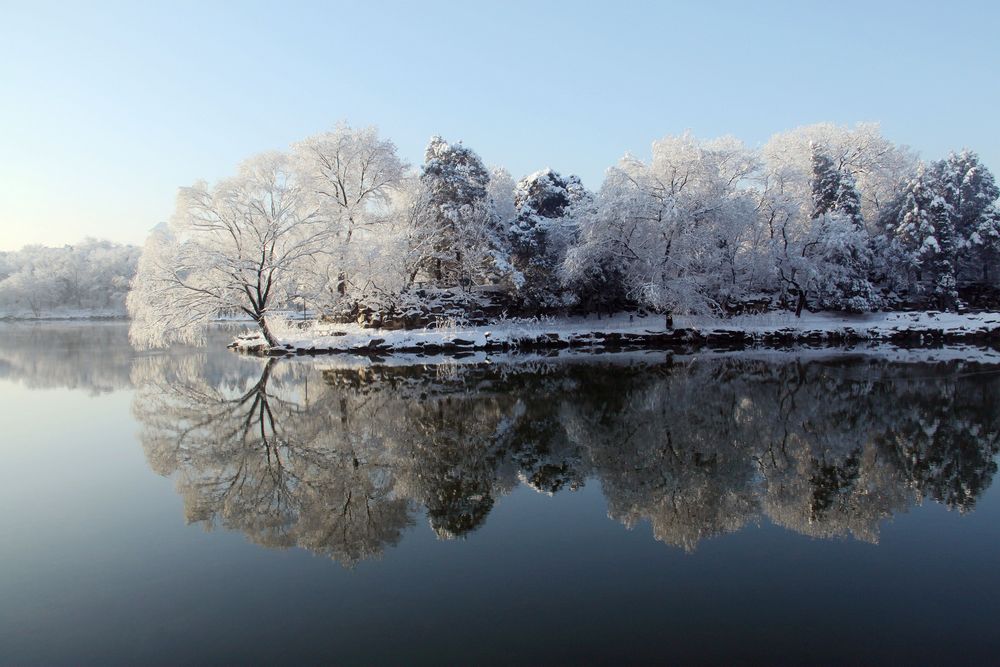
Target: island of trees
<point>340,227</point>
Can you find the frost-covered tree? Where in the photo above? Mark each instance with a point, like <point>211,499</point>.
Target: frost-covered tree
<point>971,191</point>
<point>348,175</point>
<point>842,238</point>
<point>878,166</point>
<point>661,222</point>
<point>944,228</point>
<point>594,268</point>
<point>540,235</point>
<point>833,190</point>
<point>825,182</point>
<point>459,218</point>
<point>820,262</point>
<point>501,192</point>
<point>86,278</point>
<point>927,230</point>
<point>815,218</point>
<point>245,245</point>
<point>822,217</point>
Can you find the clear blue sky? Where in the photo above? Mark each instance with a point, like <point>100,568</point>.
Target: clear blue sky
<point>108,108</point>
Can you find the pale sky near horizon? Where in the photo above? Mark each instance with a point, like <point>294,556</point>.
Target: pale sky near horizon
<point>107,108</point>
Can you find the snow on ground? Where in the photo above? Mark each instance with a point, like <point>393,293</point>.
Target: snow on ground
<point>876,323</point>
<point>628,329</point>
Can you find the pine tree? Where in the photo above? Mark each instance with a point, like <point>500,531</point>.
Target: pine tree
<point>465,230</point>
<point>540,235</point>
<point>925,228</point>
<point>846,248</point>
<point>848,200</point>
<point>943,259</point>
<point>825,182</point>
<point>970,190</point>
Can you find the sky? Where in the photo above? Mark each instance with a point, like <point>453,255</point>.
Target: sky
<point>107,108</point>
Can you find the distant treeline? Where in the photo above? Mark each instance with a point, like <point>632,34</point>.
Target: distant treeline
<point>88,278</point>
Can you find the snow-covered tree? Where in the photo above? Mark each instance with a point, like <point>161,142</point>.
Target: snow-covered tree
<point>833,190</point>
<point>594,268</point>
<point>90,277</point>
<point>971,191</point>
<point>459,218</point>
<point>925,228</point>
<point>820,244</point>
<point>348,175</point>
<point>943,230</point>
<point>823,261</point>
<point>878,166</point>
<point>661,221</point>
<point>244,245</point>
<point>842,238</point>
<point>501,192</point>
<point>825,182</point>
<point>823,216</point>
<point>540,235</point>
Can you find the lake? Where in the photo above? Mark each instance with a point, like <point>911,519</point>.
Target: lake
<point>195,506</point>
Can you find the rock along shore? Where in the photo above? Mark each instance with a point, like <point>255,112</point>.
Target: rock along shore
<point>925,329</point>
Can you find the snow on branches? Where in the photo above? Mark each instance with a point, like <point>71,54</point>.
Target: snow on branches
<point>821,217</point>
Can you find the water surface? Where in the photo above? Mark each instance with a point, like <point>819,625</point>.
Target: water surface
<point>194,506</point>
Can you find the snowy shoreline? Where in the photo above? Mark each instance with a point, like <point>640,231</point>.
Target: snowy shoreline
<point>630,331</point>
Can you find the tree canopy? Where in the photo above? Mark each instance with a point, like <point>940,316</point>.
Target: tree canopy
<point>821,217</point>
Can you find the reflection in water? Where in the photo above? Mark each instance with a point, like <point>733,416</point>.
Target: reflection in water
<point>95,356</point>
<point>341,461</point>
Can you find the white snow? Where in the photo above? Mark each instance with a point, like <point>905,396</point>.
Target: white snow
<point>590,331</point>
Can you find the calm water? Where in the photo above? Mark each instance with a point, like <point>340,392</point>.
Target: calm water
<point>199,507</point>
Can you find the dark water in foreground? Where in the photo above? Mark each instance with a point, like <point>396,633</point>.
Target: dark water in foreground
<point>199,507</point>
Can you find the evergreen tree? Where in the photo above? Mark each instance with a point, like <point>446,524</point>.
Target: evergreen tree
<point>833,190</point>
<point>971,192</point>
<point>460,221</point>
<point>925,229</point>
<point>842,236</point>
<point>849,200</point>
<point>825,182</point>
<point>541,232</point>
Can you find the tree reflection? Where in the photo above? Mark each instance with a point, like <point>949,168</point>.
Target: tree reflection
<point>342,461</point>
<point>92,356</point>
<point>261,455</point>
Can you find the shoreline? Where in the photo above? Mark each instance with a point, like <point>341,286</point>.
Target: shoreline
<point>626,332</point>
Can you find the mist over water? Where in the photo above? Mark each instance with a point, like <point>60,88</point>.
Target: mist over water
<point>818,506</point>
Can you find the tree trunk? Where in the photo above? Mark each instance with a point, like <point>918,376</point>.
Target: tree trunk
<point>266,330</point>
<point>800,304</point>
